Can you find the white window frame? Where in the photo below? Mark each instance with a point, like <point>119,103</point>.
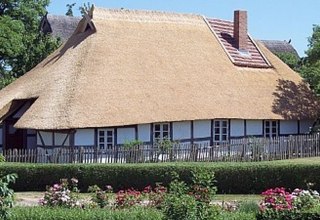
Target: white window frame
<point>160,129</point>
<point>220,130</point>
<point>104,136</point>
<point>271,128</point>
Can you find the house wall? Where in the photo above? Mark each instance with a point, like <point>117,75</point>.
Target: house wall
<point>305,126</point>
<point>181,130</point>
<point>84,137</point>
<point>288,127</point>
<point>125,135</point>
<point>202,129</point>
<point>52,139</point>
<point>254,127</point>
<point>236,128</point>
<point>144,132</point>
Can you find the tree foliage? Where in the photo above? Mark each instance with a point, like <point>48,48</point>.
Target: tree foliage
<point>22,45</point>
<point>290,59</point>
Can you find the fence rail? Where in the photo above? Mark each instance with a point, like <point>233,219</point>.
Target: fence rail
<point>244,149</point>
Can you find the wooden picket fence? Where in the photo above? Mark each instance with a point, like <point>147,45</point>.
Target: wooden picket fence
<point>236,150</point>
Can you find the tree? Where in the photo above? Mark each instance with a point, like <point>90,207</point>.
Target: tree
<point>69,11</point>
<point>22,45</point>
<point>290,59</point>
<point>310,68</point>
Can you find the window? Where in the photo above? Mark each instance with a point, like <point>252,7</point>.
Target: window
<point>271,128</point>
<point>105,138</point>
<point>220,130</point>
<point>161,131</point>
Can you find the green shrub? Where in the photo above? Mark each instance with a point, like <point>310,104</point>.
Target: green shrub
<point>44,213</point>
<point>2,158</point>
<point>235,178</point>
<point>192,202</point>
<point>6,195</point>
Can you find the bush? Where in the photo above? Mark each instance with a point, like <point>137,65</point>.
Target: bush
<point>2,158</point>
<point>6,195</point>
<point>192,202</point>
<point>44,213</point>
<point>236,178</point>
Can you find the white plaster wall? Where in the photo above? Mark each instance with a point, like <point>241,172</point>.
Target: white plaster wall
<point>31,142</point>
<point>125,134</point>
<point>254,127</point>
<point>305,126</point>
<point>181,130</point>
<point>84,137</point>
<point>288,127</point>
<point>47,138</point>
<point>201,128</point>
<point>144,132</point>
<point>0,135</point>
<point>236,128</point>
<point>59,139</point>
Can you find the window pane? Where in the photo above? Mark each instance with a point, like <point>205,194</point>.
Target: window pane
<point>157,134</point>
<point>101,133</point>
<point>217,130</point>
<point>274,130</point>
<point>217,123</point>
<point>165,127</point>
<point>101,145</point>
<point>267,123</point>
<point>165,135</point>
<point>109,146</point>
<point>224,123</point>
<point>157,127</point>
<point>109,133</point>
<point>224,130</point>
<point>217,138</point>
<point>274,123</point>
<point>267,130</point>
<point>224,137</point>
<point>101,139</point>
<point>109,139</point>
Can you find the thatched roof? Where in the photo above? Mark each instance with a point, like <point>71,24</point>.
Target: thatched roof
<point>141,67</point>
<point>59,26</point>
<point>279,46</point>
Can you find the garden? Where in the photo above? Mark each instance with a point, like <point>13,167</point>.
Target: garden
<point>281,190</point>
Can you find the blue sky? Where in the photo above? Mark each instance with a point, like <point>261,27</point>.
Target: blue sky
<point>268,19</point>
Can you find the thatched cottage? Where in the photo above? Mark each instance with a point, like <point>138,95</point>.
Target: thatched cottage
<point>144,75</point>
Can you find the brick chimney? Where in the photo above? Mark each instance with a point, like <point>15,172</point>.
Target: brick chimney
<point>240,30</point>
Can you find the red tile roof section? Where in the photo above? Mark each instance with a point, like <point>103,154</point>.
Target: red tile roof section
<point>224,31</point>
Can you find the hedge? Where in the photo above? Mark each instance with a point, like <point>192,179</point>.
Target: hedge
<point>41,213</point>
<point>235,178</point>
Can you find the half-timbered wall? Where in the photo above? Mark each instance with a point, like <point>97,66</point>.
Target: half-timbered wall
<point>84,137</point>
<point>198,131</point>
<point>254,127</point>
<point>305,126</point>
<point>237,128</point>
<point>50,139</point>
<point>125,135</point>
<point>289,127</point>
<point>181,130</point>
<point>144,132</point>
